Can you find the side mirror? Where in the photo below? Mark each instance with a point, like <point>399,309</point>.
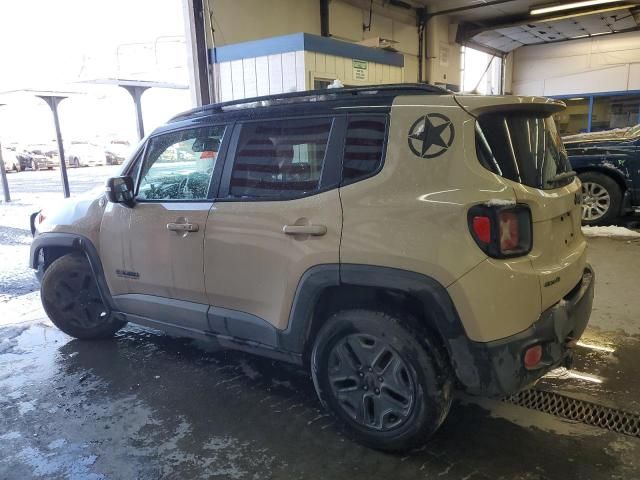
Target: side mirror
<point>120,190</point>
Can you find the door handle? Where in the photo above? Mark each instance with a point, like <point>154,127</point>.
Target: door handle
<point>182,227</point>
<point>315,230</point>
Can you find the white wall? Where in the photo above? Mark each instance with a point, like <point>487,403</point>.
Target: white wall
<point>443,55</point>
<point>293,71</point>
<point>319,65</point>
<point>599,64</point>
<point>268,75</point>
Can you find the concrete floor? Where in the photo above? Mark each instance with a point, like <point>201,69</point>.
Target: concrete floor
<point>148,406</point>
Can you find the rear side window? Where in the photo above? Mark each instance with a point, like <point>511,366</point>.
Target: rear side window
<point>524,148</point>
<point>364,147</point>
<point>280,158</point>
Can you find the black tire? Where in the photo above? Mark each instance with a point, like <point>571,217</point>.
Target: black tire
<point>70,296</point>
<point>601,198</point>
<point>403,375</point>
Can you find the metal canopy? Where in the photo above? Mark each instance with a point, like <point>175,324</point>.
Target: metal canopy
<point>136,88</point>
<point>123,82</point>
<point>53,99</point>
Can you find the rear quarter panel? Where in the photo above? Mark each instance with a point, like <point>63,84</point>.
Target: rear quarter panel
<point>413,214</point>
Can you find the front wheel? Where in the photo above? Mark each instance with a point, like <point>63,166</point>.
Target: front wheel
<point>385,382</point>
<point>601,198</point>
<point>71,298</point>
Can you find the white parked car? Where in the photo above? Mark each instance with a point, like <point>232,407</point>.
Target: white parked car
<point>84,154</point>
<point>11,162</point>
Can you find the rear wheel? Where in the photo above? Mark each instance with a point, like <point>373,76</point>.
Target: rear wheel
<point>601,198</point>
<point>385,382</point>
<point>71,298</point>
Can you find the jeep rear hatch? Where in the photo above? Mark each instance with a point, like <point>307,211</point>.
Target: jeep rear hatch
<point>516,138</point>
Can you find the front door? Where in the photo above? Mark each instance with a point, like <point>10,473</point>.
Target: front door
<point>154,251</point>
<point>278,214</point>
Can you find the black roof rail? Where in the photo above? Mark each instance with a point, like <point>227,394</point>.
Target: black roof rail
<point>394,89</point>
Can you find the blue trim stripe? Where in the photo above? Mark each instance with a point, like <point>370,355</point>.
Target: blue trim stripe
<point>599,94</point>
<point>304,41</point>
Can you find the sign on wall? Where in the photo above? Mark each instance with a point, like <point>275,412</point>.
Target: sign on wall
<point>360,70</point>
<point>444,55</point>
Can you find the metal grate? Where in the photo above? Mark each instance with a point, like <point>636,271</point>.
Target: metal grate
<point>578,410</point>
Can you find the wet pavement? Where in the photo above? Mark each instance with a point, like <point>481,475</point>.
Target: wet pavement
<point>145,405</point>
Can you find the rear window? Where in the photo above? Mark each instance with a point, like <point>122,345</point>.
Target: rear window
<point>364,147</point>
<point>524,148</point>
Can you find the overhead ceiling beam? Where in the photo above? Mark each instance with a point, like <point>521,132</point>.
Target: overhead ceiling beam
<point>468,7</point>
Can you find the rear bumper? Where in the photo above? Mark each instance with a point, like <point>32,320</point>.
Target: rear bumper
<point>499,364</point>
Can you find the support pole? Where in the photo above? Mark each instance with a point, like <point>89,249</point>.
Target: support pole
<point>53,101</point>
<point>3,174</point>
<point>324,18</point>
<point>136,92</point>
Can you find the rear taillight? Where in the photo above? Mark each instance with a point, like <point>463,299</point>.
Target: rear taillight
<point>501,231</point>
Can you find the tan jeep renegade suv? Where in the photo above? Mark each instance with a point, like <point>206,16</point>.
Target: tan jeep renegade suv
<point>399,241</point>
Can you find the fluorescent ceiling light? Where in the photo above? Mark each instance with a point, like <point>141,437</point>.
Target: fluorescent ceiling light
<point>569,6</point>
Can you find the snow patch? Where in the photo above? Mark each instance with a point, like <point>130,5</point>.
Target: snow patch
<point>610,231</point>
<point>8,338</point>
<point>500,202</point>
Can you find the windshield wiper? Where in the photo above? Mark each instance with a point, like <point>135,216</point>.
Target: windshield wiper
<point>562,176</point>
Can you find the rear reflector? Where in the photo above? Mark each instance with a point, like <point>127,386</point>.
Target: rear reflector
<point>532,356</point>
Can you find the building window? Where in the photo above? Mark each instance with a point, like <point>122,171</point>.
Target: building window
<point>596,113</point>
<point>615,112</point>
<point>575,119</point>
<point>481,72</point>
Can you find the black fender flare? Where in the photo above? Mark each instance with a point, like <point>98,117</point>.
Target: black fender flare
<point>77,242</point>
<point>439,309</point>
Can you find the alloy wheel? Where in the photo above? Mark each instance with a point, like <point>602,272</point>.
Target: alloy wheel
<point>596,201</point>
<point>371,382</point>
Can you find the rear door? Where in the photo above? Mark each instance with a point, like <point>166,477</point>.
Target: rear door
<point>153,252</point>
<point>278,214</point>
<point>523,145</point>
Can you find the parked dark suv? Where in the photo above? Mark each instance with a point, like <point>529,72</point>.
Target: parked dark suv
<point>608,163</point>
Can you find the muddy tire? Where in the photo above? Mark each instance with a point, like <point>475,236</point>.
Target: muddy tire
<point>70,296</point>
<point>601,199</point>
<point>385,382</point>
